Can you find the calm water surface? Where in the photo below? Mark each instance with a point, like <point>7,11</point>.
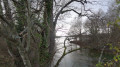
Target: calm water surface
<point>80,58</point>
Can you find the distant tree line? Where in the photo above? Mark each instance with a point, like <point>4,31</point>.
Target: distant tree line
<point>101,28</point>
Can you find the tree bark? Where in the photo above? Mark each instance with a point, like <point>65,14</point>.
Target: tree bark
<point>51,27</point>
<point>29,25</point>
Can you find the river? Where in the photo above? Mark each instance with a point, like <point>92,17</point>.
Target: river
<point>79,58</point>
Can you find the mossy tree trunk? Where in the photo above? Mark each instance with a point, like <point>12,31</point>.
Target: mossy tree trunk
<point>13,49</point>
<point>48,33</point>
<point>51,29</point>
<point>11,32</point>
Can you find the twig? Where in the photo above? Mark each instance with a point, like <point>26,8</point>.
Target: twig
<point>101,55</point>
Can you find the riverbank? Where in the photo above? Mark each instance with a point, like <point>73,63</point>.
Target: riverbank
<point>94,47</point>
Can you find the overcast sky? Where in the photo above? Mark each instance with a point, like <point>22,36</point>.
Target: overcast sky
<point>68,21</point>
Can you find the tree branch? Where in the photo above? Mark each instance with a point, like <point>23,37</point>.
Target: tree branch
<point>71,10</point>
<point>3,19</point>
<point>10,38</point>
<point>15,2</point>
<point>58,14</point>
<point>40,9</point>
<point>65,53</point>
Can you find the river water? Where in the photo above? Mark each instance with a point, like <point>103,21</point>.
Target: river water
<point>79,58</point>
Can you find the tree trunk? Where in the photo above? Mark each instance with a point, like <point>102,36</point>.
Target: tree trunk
<point>49,18</point>
<point>24,56</point>
<point>20,54</point>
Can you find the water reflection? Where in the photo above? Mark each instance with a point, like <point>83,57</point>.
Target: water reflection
<point>78,58</point>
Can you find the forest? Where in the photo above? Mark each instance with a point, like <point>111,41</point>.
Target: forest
<point>59,33</point>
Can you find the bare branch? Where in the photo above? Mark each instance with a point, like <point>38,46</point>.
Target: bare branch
<point>10,38</point>
<point>3,19</point>
<point>55,21</point>
<point>41,6</point>
<point>15,2</point>
<point>71,10</point>
<point>58,14</point>
<point>65,53</point>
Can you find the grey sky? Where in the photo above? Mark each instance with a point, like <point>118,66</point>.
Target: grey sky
<point>94,7</point>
